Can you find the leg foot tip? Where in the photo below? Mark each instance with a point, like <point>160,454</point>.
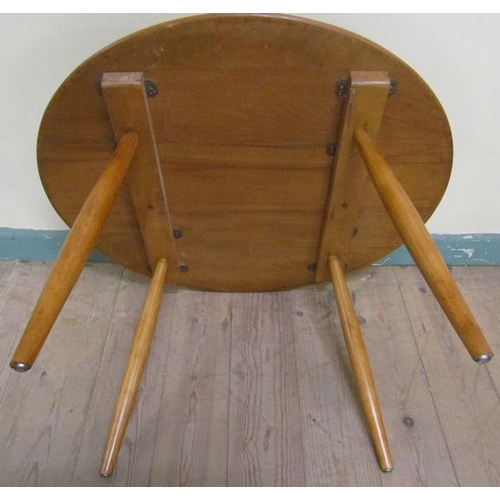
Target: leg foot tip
<point>483,358</point>
<point>20,367</point>
<point>105,474</point>
<point>388,469</point>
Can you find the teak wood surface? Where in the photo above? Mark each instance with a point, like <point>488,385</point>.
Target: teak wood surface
<point>364,108</point>
<point>244,115</point>
<point>127,105</point>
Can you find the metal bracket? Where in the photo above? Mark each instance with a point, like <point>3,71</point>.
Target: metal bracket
<point>152,89</point>
<point>342,87</point>
<point>331,149</point>
<point>149,86</point>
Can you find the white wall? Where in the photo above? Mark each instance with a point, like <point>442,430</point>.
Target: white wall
<point>457,54</point>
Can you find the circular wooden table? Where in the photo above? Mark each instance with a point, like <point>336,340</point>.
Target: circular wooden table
<point>245,120</point>
<point>245,153</point>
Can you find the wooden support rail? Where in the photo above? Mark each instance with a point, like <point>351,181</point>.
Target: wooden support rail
<point>125,98</point>
<point>364,107</point>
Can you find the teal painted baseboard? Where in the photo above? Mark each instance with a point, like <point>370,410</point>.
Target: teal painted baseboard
<point>457,249</point>
<point>31,245</point>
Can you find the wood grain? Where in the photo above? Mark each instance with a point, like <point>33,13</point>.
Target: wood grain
<point>465,397</point>
<point>136,454</point>
<point>480,288</point>
<point>337,447</point>
<point>239,209</point>
<point>138,356</point>
<point>364,106</point>
<point>74,253</point>
<point>440,408</point>
<point>417,440</point>
<point>43,412</point>
<point>7,279</point>
<point>265,445</point>
<point>422,248</point>
<point>360,364</point>
<point>192,432</point>
<point>127,105</point>
<point>245,111</point>
<point>21,286</point>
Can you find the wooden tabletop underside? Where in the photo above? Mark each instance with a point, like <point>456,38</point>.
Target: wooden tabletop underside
<point>244,119</point>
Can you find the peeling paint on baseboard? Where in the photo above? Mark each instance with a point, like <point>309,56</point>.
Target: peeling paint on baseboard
<point>457,249</point>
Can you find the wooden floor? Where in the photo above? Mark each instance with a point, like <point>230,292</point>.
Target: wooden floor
<point>250,390</point>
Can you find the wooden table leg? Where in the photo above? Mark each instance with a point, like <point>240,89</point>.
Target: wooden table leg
<point>74,253</point>
<point>422,248</point>
<point>360,365</point>
<point>135,366</point>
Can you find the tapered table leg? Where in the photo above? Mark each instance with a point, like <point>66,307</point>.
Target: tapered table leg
<point>74,253</point>
<point>422,248</point>
<point>360,365</point>
<point>135,366</point>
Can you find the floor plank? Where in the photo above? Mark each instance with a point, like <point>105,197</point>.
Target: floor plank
<point>337,447</point>
<point>135,458</point>
<point>42,419</point>
<point>250,389</point>
<point>265,445</point>
<point>465,397</point>
<point>481,289</point>
<point>20,287</point>
<point>417,441</point>
<point>6,269</point>
<point>191,435</point>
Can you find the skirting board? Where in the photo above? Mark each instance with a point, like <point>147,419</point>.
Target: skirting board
<point>457,249</point>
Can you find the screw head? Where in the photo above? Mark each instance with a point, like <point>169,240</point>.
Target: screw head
<point>183,268</point>
<point>393,86</point>
<point>151,89</point>
<point>331,149</point>
<point>342,87</point>
<point>98,87</point>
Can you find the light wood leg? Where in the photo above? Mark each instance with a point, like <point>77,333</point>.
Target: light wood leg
<point>74,253</point>
<point>422,248</point>
<point>135,366</point>
<point>360,365</point>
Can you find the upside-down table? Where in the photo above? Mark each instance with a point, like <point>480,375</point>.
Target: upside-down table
<point>243,153</point>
